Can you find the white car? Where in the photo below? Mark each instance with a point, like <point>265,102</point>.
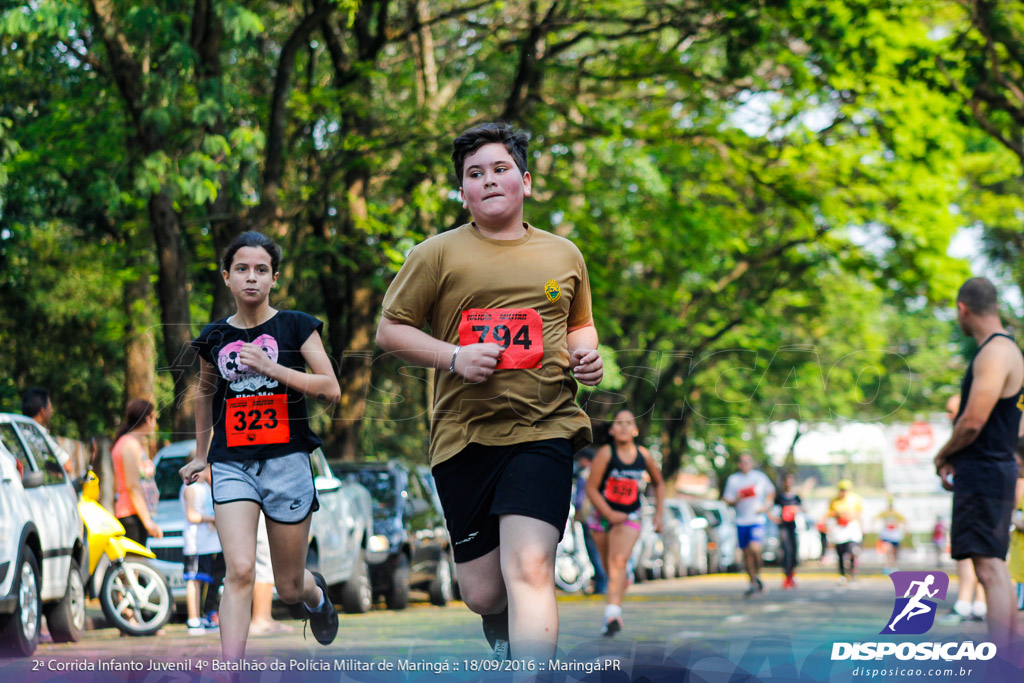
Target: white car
<point>42,542</point>
<point>692,544</point>
<point>341,540</point>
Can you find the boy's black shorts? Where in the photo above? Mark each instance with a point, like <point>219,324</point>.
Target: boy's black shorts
<point>532,479</point>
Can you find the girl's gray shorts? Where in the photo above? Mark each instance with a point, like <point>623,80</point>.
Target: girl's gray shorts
<point>282,486</point>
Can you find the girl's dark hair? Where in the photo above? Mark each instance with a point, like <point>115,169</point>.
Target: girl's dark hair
<point>517,143</point>
<point>251,238</point>
<point>136,412</point>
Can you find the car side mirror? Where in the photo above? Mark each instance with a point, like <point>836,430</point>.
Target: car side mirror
<point>699,523</point>
<point>31,480</point>
<point>414,507</point>
<point>326,484</point>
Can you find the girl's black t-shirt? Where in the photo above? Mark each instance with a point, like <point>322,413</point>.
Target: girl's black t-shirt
<point>255,417</point>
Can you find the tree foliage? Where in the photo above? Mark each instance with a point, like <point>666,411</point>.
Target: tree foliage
<point>765,192</point>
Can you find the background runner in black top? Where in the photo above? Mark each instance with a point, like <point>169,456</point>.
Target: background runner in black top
<point>999,435</point>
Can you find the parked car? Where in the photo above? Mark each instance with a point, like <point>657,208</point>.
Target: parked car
<point>808,541</point>
<point>691,530</point>
<point>341,542</point>
<point>407,513</point>
<point>648,557</point>
<point>721,533</point>
<point>42,543</point>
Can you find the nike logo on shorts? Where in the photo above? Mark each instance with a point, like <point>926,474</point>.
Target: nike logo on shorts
<point>467,539</point>
<point>295,505</point>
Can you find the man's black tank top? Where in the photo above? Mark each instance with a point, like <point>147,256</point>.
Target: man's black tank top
<point>621,483</point>
<point>998,436</point>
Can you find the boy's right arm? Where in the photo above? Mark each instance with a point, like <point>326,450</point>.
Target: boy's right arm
<point>729,494</point>
<point>474,362</point>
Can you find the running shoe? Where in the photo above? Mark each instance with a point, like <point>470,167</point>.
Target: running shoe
<point>496,633</point>
<point>760,586</point>
<point>209,624</point>
<point>611,627</point>
<point>195,627</point>
<point>324,621</point>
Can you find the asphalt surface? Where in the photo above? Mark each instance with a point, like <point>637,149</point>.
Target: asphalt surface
<point>695,628</point>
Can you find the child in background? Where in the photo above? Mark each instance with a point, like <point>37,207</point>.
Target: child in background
<point>891,536</point>
<point>204,562</point>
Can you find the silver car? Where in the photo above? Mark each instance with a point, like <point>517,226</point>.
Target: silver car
<point>690,530</point>
<point>721,532</point>
<point>341,540</point>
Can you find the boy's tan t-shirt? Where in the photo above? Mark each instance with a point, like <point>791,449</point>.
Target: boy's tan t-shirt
<point>525,294</point>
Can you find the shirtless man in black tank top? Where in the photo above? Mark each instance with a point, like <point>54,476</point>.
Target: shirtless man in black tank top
<point>977,462</point>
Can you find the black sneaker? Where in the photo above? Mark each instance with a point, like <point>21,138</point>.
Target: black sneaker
<point>496,633</point>
<point>611,627</point>
<point>324,621</point>
<point>760,586</point>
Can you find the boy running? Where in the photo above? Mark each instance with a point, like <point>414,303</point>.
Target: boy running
<point>508,307</point>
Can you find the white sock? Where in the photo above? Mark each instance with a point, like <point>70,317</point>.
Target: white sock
<point>319,606</point>
<point>194,623</point>
<point>980,608</point>
<point>612,612</point>
<point>963,608</point>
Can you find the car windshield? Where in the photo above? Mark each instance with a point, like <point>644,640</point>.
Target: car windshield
<point>167,478</point>
<point>381,486</point>
<point>712,516</point>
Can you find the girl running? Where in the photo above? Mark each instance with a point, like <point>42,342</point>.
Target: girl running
<point>614,488</point>
<point>252,426</point>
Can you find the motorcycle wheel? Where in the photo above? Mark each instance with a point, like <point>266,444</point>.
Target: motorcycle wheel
<point>135,597</point>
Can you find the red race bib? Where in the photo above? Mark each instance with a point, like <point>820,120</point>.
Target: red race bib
<point>519,331</point>
<point>254,420</point>
<point>789,513</point>
<point>748,492</point>
<point>621,491</point>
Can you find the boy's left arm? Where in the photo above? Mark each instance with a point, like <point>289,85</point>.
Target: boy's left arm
<point>584,360</point>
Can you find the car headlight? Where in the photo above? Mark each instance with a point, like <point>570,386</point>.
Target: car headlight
<point>378,544</point>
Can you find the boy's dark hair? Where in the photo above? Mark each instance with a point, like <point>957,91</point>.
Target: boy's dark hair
<point>979,295</point>
<point>33,401</point>
<point>251,238</point>
<point>517,142</point>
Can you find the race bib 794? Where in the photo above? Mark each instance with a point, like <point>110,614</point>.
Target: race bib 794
<point>253,420</point>
<point>519,331</point>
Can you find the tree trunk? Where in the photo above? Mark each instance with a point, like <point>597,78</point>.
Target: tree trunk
<point>675,444</point>
<point>176,321</point>
<point>140,341</point>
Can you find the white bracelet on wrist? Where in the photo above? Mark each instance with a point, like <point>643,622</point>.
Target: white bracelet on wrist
<point>455,354</point>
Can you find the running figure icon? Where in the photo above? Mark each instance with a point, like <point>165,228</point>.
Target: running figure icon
<point>914,607</point>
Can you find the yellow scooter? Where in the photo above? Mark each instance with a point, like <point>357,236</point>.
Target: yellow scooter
<point>135,596</point>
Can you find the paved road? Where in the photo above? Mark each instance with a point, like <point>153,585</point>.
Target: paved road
<point>700,624</point>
